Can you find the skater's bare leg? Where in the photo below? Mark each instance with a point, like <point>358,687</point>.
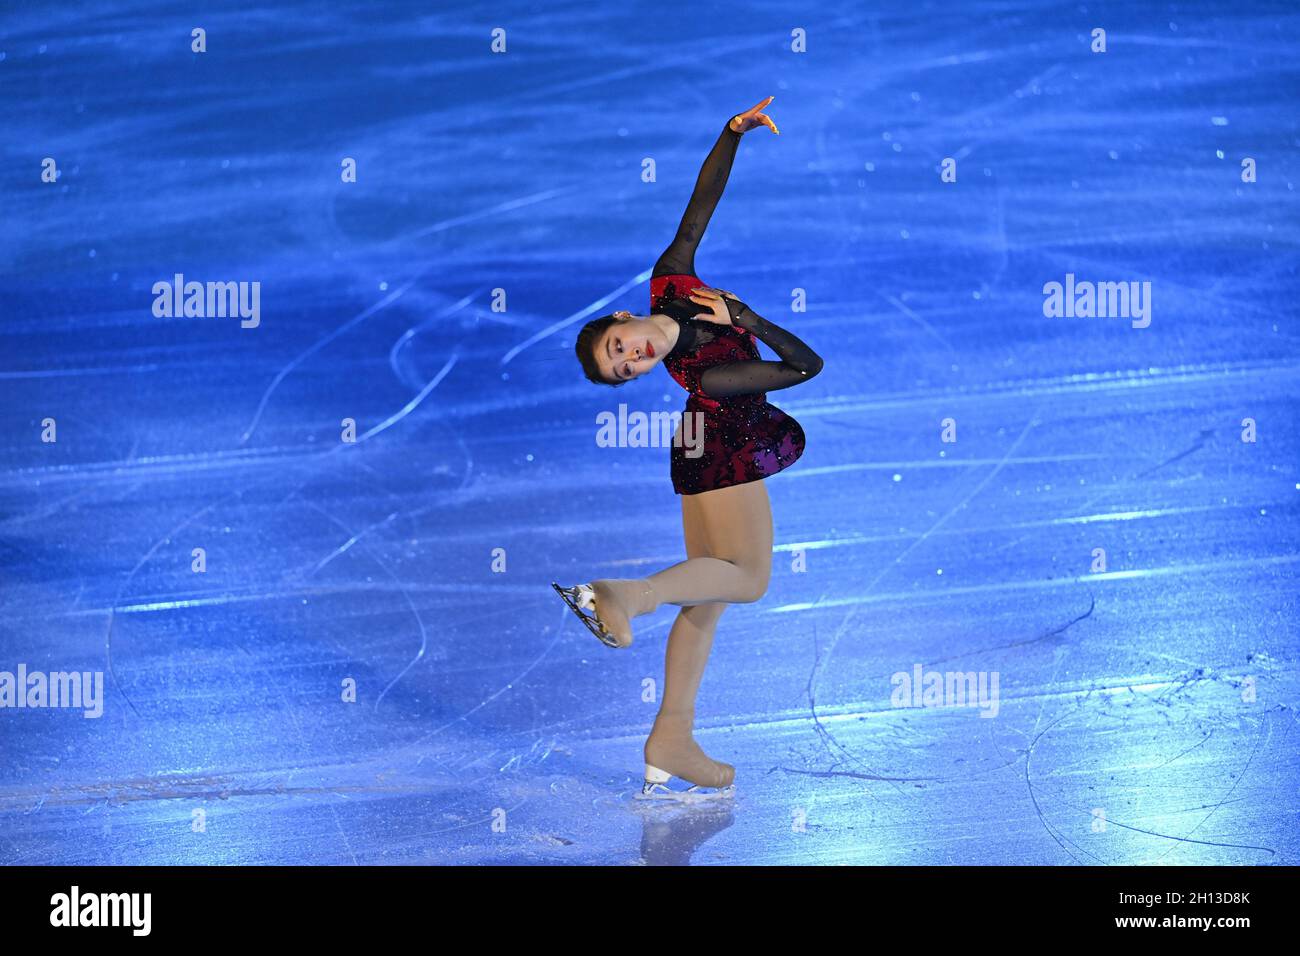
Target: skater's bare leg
<point>735,569</point>
<point>737,525</point>
<point>671,746</point>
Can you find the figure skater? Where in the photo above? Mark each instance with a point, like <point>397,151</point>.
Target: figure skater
<point>705,338</point>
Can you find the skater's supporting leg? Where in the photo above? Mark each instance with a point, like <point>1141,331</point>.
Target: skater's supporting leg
<point>687,654</point>
<point>691,637</point>
<point>671,746</point>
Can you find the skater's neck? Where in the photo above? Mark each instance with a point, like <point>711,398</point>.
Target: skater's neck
<point>670,327</point>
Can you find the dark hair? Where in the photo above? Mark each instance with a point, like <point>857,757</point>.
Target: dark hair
<point>586,348</point>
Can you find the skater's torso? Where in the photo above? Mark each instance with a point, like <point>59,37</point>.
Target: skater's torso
<point>744,437</point>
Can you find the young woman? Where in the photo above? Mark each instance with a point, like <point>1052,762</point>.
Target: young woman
<point>705,338</point>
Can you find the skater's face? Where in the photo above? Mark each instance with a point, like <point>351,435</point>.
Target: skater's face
<point>630,348</point>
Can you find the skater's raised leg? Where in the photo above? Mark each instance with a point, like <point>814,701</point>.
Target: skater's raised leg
<point>737,526</point>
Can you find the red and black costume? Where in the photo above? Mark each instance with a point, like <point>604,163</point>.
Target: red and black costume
<point>744,438</point>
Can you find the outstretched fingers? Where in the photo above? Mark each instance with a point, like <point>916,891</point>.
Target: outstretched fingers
<point>754,117</point>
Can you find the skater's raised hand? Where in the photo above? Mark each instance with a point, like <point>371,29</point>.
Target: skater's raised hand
<point>716,300</point>
<point>744,122</point>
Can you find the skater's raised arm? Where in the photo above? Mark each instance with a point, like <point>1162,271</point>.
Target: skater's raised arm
<point>679,257</point>
<point>798,362</point>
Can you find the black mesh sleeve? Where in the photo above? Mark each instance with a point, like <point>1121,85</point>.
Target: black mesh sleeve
<point>798,362</point>
<point>679,257</point>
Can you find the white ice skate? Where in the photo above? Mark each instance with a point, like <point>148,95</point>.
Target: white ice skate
<point>659,786</point>
<point>581,598</point>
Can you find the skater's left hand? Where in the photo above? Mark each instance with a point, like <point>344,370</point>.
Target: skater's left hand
<point>715,299</point>
<point>754,117</point>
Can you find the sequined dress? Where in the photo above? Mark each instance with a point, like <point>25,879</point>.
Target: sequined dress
<point>737,439</point>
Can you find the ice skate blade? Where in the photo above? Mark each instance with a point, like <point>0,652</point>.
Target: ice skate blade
<point>581,598</point>
<point>661,793</point>
<point>658,786</point>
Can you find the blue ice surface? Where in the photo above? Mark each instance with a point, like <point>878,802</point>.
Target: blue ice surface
<point>1146,713</point>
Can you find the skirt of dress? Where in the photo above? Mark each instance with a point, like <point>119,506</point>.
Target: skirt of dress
<point>718,448</point>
